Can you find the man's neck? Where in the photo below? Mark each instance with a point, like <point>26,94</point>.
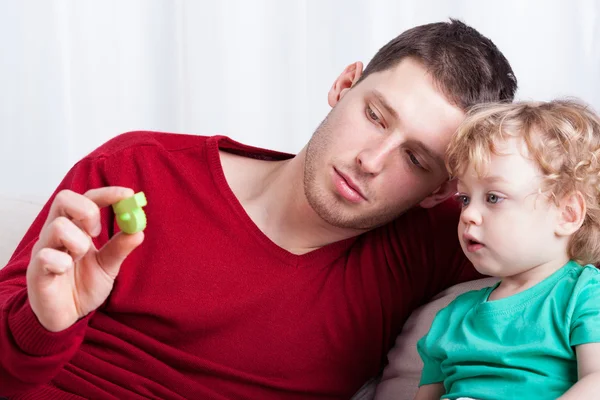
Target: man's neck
<point>272,194</point>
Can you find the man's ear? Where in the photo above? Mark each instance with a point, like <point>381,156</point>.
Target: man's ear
<point>571,215</point>
<point>440,194</point>
<point>344,82</point>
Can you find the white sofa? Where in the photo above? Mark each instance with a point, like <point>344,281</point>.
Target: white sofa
<point>400,378</point>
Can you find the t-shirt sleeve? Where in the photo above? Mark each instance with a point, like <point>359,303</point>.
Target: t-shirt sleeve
<point>433,347</point>
<point>429,348</point>
<point>585,321</point>
<point>432,370</point>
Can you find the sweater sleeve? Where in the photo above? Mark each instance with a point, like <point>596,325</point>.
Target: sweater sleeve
<point>29,354</point>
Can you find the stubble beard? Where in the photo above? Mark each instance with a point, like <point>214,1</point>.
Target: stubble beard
<point>329,206</point>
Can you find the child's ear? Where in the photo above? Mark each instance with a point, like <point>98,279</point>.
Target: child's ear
<point>440,194</point>
<point>572,212</point>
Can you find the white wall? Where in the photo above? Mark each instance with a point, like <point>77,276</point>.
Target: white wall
<point>76,73</point>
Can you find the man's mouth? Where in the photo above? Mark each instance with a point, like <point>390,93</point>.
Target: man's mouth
<point>347,188</point>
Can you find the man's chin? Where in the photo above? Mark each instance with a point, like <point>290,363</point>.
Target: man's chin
<point>352,220</point>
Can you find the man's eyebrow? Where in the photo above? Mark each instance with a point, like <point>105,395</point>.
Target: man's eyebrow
<point>385,104</point>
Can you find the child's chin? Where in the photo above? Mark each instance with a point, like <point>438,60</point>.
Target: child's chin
<point>486,269</point>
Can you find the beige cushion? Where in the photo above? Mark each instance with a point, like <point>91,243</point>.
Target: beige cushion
<point>16,215</point>
<point>401,377</point>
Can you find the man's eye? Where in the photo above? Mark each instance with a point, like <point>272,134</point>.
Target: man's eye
<point>414,159</point>
<point>372,114</point>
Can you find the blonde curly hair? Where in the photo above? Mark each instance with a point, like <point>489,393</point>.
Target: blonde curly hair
<point>562,137</point>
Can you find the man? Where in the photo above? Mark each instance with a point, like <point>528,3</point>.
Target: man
<point>260,274</point>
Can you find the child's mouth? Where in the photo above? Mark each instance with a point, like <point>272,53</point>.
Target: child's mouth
<point>473,245</point>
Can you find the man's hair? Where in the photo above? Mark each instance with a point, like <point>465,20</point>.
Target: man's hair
<point>562,137</point>
<point>467,67</point>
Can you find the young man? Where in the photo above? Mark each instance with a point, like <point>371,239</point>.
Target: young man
<point>260,274</point>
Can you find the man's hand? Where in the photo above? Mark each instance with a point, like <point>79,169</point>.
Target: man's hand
<point>67,277</point>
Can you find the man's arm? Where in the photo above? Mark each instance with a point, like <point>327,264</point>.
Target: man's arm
<point>40,329</point>
<point>450,261</point>
<point>588,367</point>
<point>426,247</point>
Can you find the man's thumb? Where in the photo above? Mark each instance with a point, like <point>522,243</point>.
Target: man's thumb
<point>112,254</point>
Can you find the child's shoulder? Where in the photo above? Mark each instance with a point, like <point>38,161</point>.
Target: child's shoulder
<point>589,273</point>
<point>466,301</point>
<point>458,308</point>
<point>585,279</point>
<point>473,296</point>
<point>583,305</point>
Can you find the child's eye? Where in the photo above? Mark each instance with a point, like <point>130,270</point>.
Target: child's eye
<point>494,198</point>
<point>463,200</point>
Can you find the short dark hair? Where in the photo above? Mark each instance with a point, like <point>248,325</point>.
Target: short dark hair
<point>466,65</point>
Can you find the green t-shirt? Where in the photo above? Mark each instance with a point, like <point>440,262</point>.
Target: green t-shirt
<point>519,347</point>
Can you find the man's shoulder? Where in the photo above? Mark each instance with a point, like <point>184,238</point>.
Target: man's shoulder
<point>175,142</point>
<point>423,225</point>
<point>441,216</point>
<point>147,140</point>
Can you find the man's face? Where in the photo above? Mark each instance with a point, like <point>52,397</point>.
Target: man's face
<point>380,150</point>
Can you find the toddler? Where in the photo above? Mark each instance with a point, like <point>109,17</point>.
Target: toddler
<point>529,185</point>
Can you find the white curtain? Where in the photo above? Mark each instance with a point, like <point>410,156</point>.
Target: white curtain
<point>76,73</point>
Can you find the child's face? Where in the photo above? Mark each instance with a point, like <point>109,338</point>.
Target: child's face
<point>507,227</point>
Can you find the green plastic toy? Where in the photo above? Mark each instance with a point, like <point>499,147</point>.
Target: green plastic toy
<point>130,216</point>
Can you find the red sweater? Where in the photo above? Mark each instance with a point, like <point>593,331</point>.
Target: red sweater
<point>208,307</point>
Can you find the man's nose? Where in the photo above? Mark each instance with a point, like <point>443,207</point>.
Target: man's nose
<point>374,159</point>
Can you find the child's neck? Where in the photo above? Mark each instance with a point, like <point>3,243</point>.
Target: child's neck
<point>511,285</point>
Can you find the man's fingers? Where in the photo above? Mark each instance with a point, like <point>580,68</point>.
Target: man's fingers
<point>84,209</point>
<point>76,207</point>
<point>45,266</point>
<point>112,254</point>
<point>106,196</point>
<point>63,234</point>
<point>52,261</point>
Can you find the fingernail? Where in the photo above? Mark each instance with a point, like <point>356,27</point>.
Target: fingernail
<point>97,229</point>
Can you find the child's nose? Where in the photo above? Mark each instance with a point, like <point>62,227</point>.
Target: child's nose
<point>470,215</point>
